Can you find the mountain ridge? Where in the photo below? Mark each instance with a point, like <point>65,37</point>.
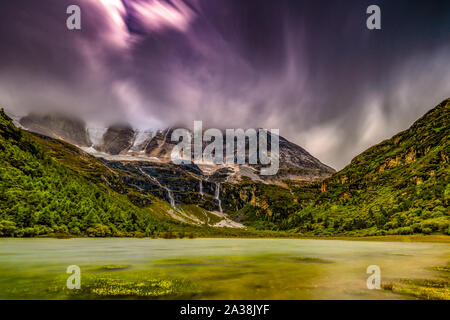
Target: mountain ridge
<point>121,142</point>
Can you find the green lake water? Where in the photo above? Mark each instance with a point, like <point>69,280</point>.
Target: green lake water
<point>216,268</point>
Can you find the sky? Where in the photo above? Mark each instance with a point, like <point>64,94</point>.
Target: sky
<point>309,68</point>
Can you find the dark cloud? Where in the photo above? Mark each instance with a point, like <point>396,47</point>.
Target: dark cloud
<point>311,69</point>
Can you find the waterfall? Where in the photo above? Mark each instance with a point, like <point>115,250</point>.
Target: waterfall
<point>171,198</point>
<point>218,196</point>
<point>201,187</point>
<point>169,192</point>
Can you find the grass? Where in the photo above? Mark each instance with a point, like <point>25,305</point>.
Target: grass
<point>424,289</point>
<point>114,267</point>
<point>210,232</point>
<point>126,285</point>
<point>203,215</point>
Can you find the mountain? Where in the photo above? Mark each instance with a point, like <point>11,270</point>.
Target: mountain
<point>58,126</point>
<point>39,195</point>
<point>116,139</point>
<point>49,186</point>
<point>400,186</point>
<point>121,142</point>
<point>126,166</point>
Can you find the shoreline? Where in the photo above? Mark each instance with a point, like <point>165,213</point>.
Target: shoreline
<point>391,238</point>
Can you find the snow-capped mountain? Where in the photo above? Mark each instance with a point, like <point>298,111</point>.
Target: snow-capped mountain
<point>120,142</point>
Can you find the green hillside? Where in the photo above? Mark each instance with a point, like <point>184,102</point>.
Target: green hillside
<point>400,186</point>
<point>50,187</point>
<point>39,195</point>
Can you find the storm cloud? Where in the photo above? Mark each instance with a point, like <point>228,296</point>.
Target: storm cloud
<point>311,69</point>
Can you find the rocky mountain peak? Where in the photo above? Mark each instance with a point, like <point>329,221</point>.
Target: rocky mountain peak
<point>117,138</point>
<point>58,125</point>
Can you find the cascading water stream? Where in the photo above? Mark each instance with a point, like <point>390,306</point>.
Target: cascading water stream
<point>171,198</point>
<point>169,192</point>
<point>201,187</point>
<point>218,196</point>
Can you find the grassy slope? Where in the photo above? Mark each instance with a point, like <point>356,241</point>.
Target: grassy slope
<point>39,195</point>
<point>400,186</point>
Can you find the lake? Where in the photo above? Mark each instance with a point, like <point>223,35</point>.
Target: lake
<point>211,268</point>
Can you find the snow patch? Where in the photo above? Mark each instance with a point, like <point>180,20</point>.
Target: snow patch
<point>96,135</point>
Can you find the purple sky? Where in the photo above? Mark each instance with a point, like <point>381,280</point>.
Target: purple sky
<point>312,70</point>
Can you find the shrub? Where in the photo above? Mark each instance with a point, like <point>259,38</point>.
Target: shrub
<point>75,231</point>
<point>99,231</point>
<point>7,228</point>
